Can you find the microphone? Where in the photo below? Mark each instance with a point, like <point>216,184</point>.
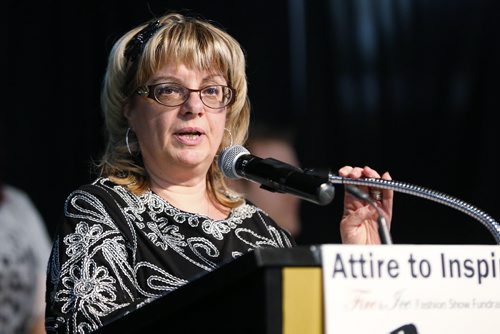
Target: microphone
<point>236,162</point>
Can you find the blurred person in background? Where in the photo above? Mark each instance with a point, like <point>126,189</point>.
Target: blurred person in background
<point>24,253</point>
<point>266,141</point>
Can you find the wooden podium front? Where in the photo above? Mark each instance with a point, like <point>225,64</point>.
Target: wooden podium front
<point>266,291</point>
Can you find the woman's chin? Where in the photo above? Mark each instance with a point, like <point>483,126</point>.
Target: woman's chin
<point>193,158</point>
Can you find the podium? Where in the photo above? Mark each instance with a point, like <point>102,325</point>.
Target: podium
<point>334,289</point>
<point>267,291</point>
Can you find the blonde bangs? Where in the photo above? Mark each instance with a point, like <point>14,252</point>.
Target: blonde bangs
<point>190,44</point>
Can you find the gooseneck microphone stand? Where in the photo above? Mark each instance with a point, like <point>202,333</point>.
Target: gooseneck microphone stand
<point>316,185</point>
<point>491,224</point>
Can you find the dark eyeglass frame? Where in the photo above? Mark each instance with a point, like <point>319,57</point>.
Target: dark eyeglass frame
<point>149,92</point>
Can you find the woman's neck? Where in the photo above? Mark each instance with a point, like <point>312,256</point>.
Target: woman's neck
<point>191,196</point>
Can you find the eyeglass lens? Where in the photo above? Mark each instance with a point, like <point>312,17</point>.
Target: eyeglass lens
<point>216,96</point>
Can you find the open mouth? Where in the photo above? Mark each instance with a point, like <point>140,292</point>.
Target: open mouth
<point>190,135</point>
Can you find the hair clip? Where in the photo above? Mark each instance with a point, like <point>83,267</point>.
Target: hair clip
<point>136,44</point>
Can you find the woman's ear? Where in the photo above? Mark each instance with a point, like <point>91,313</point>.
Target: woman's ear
<point>127,110</point>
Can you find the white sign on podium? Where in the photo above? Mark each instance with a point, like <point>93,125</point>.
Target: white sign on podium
<point>411,289</point>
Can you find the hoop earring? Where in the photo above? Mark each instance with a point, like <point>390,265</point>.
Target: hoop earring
<point>230,137</point>
<point>126,141</point>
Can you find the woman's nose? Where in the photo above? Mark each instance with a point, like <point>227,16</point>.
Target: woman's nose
<point>193,104</point>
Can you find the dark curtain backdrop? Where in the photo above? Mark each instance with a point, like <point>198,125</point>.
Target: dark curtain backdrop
<point>405,86</point>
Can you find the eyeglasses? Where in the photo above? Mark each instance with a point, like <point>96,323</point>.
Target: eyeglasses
<point>173,95</point>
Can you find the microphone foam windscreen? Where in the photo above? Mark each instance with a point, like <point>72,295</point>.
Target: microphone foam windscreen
<point>228,158</point>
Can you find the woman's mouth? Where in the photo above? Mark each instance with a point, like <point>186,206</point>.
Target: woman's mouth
<point>189,136</point>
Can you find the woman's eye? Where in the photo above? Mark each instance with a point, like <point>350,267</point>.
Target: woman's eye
<point>211,91</point>
<point>168,90</point>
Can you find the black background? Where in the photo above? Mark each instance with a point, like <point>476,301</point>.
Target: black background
<point>404,86</point>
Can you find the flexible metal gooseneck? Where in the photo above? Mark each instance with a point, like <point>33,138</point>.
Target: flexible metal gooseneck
<point>491,224</point>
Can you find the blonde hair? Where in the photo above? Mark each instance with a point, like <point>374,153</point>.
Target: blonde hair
<point>179,40</point>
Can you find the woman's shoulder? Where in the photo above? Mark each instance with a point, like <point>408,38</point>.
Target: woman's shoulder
<point>258,220</point>
<point>101,186</point>
<point>248,210</point>
<point>101,191</point>
<point>101,203</point>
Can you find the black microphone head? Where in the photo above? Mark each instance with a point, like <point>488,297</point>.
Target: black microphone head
<point>228,158</point>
